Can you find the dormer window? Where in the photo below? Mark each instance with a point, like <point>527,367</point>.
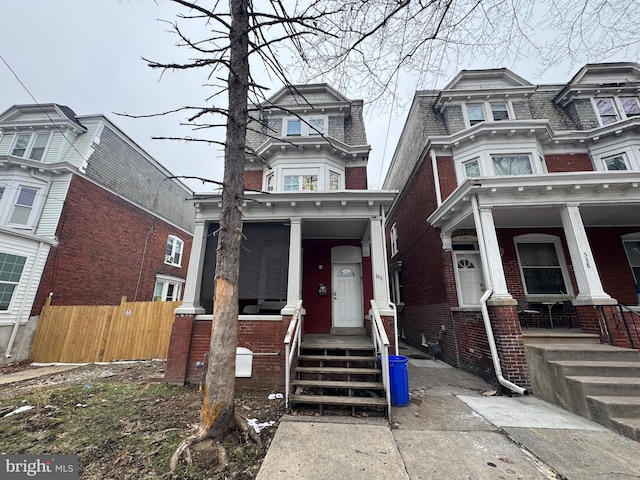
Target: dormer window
<point>614,109</point>
<point>491,111</point>
<point>475,113</point>
<point>305,126</point>
<point>30,146</point>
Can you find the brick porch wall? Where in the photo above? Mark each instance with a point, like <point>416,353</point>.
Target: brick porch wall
<point>388,328</point>
<point>190,339</point>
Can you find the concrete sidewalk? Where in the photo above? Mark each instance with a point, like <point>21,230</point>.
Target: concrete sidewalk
<point>36,372</point>
<point>450,430</point>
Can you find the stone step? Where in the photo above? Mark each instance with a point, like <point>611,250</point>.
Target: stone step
<point>610,406</point>
<point>339,370</point>
<point>629,427</point>
<point>335,400</point>
<point>546,338</point>
<point>598,368</point>
<point>607,386</point>
<point>339,358</point>
<point>338,384</point>
<point>580,352</point>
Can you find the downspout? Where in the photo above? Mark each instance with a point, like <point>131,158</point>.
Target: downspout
<point>483,304</point>
<point>436,176</point>
<point>16,325</point>
<point>391,304</point>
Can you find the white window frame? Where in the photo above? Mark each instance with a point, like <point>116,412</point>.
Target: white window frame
<point>14,283</point>
<point>623,156</point>
<point>619,112</point>
<point>165,281</point>
<point>393,239</point>
<point>28,150</point>
<point>487,111</point>
<point>628,238</point>
<point>562,265</point>
<point>169,258</point>
<point>307,127</point>
<point>501,155</point>
<point>485,152</point>
<point>466,163</point>
<point>397,295</point>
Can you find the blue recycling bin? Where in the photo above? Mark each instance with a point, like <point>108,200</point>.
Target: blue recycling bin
<point>399,380</point>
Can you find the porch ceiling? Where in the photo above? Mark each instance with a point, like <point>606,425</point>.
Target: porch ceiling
<point>335,228</point>
<point>604,199</point>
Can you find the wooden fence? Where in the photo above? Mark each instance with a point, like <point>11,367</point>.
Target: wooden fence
<point>129,331</point>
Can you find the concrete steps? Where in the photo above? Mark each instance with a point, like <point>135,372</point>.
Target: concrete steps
<point>600,382</point>
<point>338,374</point>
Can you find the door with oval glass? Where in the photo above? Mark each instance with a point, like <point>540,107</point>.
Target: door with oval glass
<point>347,296</point>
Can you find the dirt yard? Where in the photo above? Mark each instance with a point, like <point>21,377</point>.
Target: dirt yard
<point>123,424</point>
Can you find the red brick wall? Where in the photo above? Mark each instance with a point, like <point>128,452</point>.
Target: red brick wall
<point>101,247</point>
<point>447,174</point>
<point>611,259</point>
<point>259,336</point>
<point>253,180</point>
<point>570,162</point>
<point>474,355</point>
<point>355,178</point>
<point>508,338</point>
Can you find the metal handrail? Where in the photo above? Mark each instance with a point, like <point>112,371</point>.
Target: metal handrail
<point>292,341</point>
<point>630,324</point>
<point>381,345</point>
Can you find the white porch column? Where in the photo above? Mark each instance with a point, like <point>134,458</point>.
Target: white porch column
<point>379,267</point>
<point>492,255</point>
<point>590,289</point>
<point>294,282</point>
<point>191,298</point>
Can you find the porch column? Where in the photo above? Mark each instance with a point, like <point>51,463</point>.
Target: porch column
<point>191,298</point>
<point>294,285</point>
<point>590,291</point>
<point>489,239</point>
<point>379,267</point>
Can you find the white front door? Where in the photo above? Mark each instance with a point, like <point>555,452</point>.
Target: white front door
<point>469,276</point>
<point>347,296</point>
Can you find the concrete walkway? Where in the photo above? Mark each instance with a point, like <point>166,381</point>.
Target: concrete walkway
<point>36,372</point>
<point>451,430</point>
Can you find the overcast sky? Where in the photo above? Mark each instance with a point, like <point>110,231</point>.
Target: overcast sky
<point>86,54</point>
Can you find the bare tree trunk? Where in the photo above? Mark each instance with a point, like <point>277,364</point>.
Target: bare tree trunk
<point>217,416</point>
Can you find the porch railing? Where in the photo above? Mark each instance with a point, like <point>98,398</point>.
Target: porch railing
<point>622,325</point>
<point>381,345</point>
<point>292,341</point>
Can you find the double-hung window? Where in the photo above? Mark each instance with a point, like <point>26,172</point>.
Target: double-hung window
<point>30,146</point>
<point>11,267</point>
<point>173,252</point>
<point>613,109</point>
<point>542,266</point>
<point>24,206</point>
<point>475,112</point>
<point>499,111</point>
<point>393,238</point>
<point>472,168</point>
<point>305,126</point>
<point>632,247</point>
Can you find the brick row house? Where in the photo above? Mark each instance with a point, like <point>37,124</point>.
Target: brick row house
<point>522,199</point>
<point>312,232</point>
<point>86,217</point>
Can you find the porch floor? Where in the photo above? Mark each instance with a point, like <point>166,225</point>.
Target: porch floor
<point>319,341</point>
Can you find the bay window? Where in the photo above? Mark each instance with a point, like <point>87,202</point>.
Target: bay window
<point>511,165</point>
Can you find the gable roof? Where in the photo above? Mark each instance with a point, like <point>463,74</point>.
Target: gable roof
<point>40,115</point>
<point>602,78</point>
